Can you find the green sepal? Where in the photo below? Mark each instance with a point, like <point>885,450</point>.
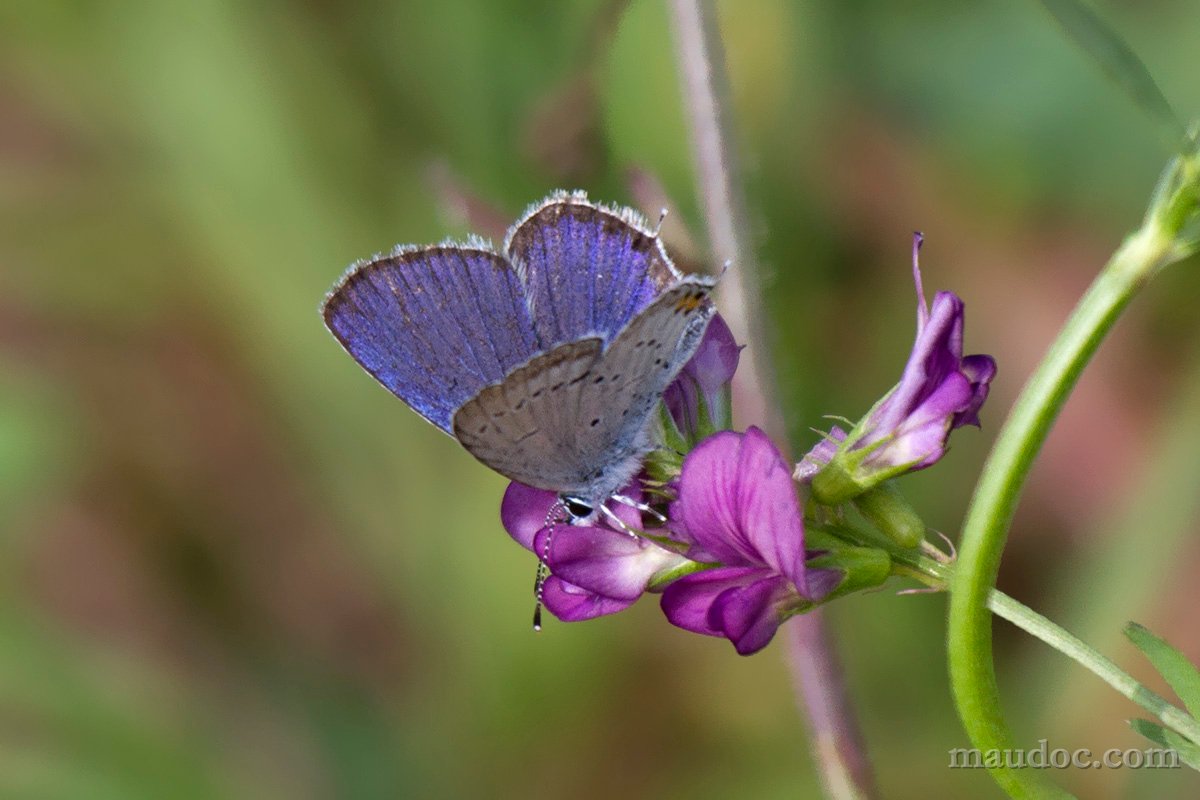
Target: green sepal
<point>844,477</point>
<point>663,579</point>
<point>888,511</point>
<point>721,417</point>
<point>705,424</point>
<point>861,567</point>
<point>664,464</point>
<point>834,484</point>
<point>671,437</point>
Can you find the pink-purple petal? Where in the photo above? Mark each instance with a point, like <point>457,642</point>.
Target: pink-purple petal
<point>936,355</point>
<point>524,509</point>
<point>716,359</point>
<point>920,440</point>
<point>821,454</point>
<point>979,370</point>
<point>687,601</point>
<point>604,561</point>
<point>822,581</point>
<point>523,512</point>
<point>939,390</point>
<point>738,503</point>
<point>771,517</point>
<point>749,615</point>
<point>571,603</point>
<point>706,508</point>
<point>709,370</point>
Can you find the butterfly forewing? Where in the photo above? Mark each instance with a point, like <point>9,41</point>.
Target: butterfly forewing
<point>434,325</point>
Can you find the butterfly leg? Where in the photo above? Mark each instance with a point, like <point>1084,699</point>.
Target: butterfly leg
<point>645,509</point>
<point>614,519</point>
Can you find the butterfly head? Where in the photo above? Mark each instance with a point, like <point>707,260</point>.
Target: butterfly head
<point>578,509</point>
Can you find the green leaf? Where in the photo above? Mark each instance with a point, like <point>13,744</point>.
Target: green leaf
<point>1118,61</point>
<point>1181,674</point>
<point>1189,753</point>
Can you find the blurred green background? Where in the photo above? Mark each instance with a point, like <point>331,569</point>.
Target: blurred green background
<point>233,566</point>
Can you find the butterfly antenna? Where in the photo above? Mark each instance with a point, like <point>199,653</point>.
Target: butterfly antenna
<point>539,580</point>
<point>662,217</point>
<point>645,509</point>
<point>553,517</point>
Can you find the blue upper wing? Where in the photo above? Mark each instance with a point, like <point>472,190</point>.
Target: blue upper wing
<point>434,325</point>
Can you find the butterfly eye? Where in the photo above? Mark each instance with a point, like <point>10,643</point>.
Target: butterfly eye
<point>577,507</point>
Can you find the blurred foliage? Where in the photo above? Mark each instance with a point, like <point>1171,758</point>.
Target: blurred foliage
<point>234,567</point>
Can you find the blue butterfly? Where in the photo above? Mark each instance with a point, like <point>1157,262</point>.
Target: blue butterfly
<point>546,360</point>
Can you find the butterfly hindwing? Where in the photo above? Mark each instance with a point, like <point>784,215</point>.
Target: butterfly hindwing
<point>524,427</point>
<point>626,384</point>
<point>587,269</point>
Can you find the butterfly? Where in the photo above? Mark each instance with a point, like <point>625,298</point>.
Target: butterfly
<point>545,360</point>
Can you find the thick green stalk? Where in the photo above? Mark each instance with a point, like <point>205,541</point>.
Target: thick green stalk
<point>969,638</point>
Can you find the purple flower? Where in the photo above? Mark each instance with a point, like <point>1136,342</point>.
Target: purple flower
<point>698,398</point>
<point>907,430</point>
<point>822,453</point>
<point>737,508</point>
<point>596,570</point>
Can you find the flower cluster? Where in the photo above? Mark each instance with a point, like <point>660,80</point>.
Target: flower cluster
<point>730,562</point>
<point>731,558</point>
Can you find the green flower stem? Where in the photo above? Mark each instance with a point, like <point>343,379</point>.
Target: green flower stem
<point>969,636</point>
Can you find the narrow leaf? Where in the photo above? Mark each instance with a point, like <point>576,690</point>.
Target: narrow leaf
<point>1118,61</point>
<point>1181,674</point>
<point>1164,737</point>
<point>1151,730</point>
